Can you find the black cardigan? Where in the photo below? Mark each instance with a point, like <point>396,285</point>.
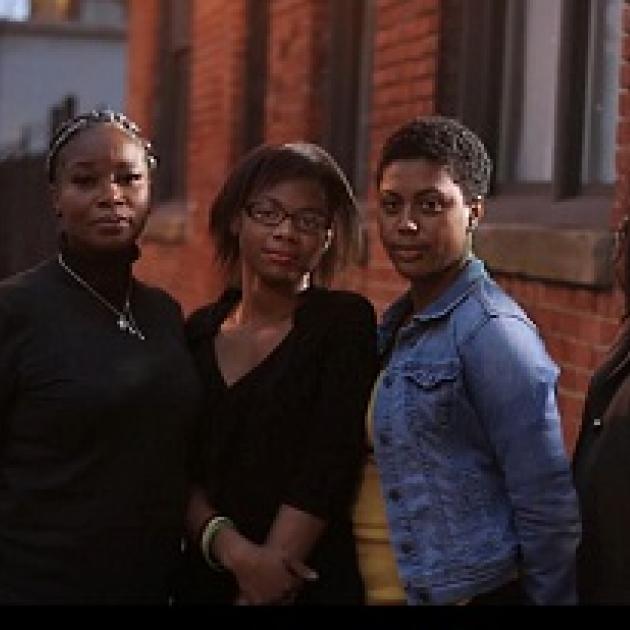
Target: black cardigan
<point>291,431</point>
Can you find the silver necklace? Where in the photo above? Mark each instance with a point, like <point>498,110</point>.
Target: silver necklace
<point>125,320</point>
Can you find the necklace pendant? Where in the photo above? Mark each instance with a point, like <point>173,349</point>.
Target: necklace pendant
<point>123,323</point>
<point>137,333</point>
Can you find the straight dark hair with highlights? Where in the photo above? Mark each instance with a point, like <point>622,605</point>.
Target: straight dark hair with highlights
<point>269,165</point>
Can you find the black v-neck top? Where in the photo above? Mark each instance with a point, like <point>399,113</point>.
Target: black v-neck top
<point>95,426</point>
<point>290,431</point>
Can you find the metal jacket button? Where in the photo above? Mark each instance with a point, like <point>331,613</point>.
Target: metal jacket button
<point>406,548</point>
<point>394,495</point>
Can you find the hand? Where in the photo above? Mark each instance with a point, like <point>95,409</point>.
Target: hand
<point>300,570</point>
<point>263,575</point>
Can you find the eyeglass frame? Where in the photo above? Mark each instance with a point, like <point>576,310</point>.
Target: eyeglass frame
<point>284,214</point>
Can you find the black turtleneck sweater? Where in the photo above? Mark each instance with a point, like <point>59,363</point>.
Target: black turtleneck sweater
<point>94,433</point>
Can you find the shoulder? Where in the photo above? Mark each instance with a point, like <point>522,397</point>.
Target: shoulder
<point>496,302</point>
<point>198,322</point>
<point>339,306</point>
<point>487,306</point>
<point>157,294</point>
<point>204,321</point>
<point>21,287</point>
<point>159,299</point>
<point>502,329</point>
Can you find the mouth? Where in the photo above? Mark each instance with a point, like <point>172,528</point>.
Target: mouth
<point>407,254</point>
<point>114,220</point>
<point>280,257</point>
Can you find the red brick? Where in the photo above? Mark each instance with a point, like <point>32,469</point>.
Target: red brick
<point>571,407</point>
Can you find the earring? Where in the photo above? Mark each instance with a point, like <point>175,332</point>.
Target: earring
<point>328,239</point>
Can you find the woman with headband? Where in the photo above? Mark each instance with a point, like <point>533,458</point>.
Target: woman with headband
<point>98,394</point>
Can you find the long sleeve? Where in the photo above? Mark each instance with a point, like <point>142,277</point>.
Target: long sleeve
<point>8,371</point>
<point>333,441</point>
<point>514,397</point>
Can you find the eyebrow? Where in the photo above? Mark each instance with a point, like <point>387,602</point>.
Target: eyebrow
<point>92,163</point>
<point>321,209</point>
<point>424,191</point>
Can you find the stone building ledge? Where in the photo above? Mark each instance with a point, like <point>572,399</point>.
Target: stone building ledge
<point>576,256</point>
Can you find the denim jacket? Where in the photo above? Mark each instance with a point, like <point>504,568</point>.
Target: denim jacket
<point>468,441</point>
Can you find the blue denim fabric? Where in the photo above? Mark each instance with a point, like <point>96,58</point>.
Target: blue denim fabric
<point>468,441</point>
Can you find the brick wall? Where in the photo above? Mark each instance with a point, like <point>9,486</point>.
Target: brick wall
<point>216,99</point>
<point>142,58</point>
<point>577,324</point>
<point>297,64</point>
<point>403,86</point>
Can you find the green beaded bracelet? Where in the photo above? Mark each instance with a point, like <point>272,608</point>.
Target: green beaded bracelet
<point>210,530</point>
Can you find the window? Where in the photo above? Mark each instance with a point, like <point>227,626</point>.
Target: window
<point>17,10</point>
<point>347,117</point>
<point>167,223</point>
<point>255,75</point>
<point>550,117</point>
<point>530,82</point>
<point>54,10</point>
<point>171,94</point>
<point>538,81</point>
<point>602,91</point>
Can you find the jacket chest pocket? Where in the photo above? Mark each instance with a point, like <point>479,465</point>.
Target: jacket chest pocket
<point>429,395</point>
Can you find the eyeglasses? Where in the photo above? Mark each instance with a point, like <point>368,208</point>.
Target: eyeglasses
<point>271,213</point>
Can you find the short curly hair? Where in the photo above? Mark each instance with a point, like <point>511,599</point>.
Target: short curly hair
<point>270,164</point>
<point>445,141</point>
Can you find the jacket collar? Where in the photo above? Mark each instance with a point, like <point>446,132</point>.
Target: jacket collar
<point>395,315</point>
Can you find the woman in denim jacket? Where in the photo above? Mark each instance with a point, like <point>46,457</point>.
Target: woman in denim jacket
<point>466,431</point>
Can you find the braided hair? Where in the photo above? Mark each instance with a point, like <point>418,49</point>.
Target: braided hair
<point>447,142</point>
<point>70,128</point>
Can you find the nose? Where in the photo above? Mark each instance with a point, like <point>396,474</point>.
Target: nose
<point>111,192</point>
<point>285,228</point>
<point>406,222</point>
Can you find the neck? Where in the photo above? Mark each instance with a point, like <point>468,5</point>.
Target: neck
<point>108,273</point>
<point>424,291</point>
<point>264,304</point>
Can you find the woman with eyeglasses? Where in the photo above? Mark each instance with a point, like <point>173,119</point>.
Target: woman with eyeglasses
<point>287,366</point>
<point>601,462</point>
<point>477,501</point>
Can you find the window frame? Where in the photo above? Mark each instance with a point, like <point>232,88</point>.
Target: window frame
<point>172,99</point>
<point>565,205</point>
<point>346,127</point>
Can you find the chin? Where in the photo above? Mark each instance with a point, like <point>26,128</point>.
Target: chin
<point>288,280</point>
<point>110,246</point>
<point>412,271</point>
